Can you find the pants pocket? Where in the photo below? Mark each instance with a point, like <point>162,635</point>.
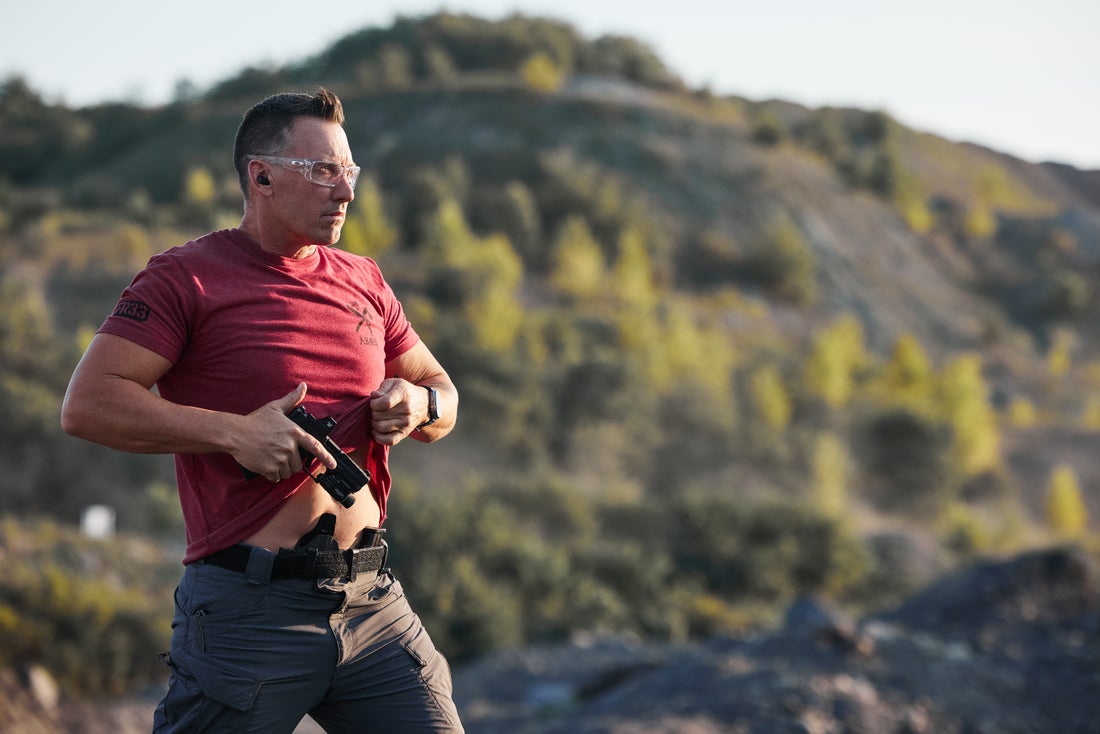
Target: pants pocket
<point>227,687</point>
<point>220,680</point>
<point>420,648</point>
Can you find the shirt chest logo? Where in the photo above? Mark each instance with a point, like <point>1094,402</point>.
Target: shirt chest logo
<point>366,319</point>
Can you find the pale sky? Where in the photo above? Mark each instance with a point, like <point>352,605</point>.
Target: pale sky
<point>1022,77</point>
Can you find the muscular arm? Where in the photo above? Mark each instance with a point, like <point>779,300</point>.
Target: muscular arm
<point>400,403</point>
<point>109,401</point>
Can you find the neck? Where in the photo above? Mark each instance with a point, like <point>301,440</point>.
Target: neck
<point>275,245</point>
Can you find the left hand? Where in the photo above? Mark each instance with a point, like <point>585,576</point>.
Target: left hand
<point>397,408</point>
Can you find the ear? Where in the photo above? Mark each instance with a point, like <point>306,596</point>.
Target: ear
<point>258,174</point>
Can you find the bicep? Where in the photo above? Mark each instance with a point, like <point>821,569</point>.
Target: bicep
<point>110,357</point>
<point>109,391</point>
<point>112,371</point>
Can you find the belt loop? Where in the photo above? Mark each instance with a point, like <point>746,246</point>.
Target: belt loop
<point>260,562</point>
<point>311,563</point>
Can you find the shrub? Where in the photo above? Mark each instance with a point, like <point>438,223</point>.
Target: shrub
<point>94,614</point>
<point>784,264</point>
<point>769,550</point>
<point>906,460</point>
<point>540,73</point>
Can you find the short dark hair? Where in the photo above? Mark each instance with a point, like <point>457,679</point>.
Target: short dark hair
<point>264,128</point>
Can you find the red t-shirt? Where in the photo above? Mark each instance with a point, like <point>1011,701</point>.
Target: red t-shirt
<point>243,327</point>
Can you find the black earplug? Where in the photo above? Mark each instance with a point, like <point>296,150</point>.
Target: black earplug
<point>263,180</point>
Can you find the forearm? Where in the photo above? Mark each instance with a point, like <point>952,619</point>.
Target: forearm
<point>121,414</point>
<point>400,404</point>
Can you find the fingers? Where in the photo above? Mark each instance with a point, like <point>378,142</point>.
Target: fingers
<point>291,400</point>
<point>389,437</point>
<point>271,440</point>
<point>386,396</point>
<point>275,470</point>
<point>315,447</point>
<point>393,411</point>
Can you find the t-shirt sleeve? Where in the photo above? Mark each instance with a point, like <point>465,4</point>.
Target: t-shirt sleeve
<point>153,311</point>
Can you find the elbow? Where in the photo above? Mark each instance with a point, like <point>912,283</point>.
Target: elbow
<point>70,421</point>
<point>75,420</point>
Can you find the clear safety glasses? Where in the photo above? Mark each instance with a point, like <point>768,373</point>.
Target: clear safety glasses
<point>323,173</point>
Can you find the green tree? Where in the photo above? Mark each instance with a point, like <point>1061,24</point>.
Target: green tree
<point>695,348</point>
<point>1060,353</point>
<point>539,72</point>
<point>837,354</point>
<point>478,275</point>
<point>1066,514</point>
<point>639,324</point>
<point>769,397</point>
<point>832,471</point>
<point>907,379</point>
<point>513,211</point>
<point>199,187</point>
<point>980,221</point>
<point>367,230</point>
<point>578,268</point>
<point>765,550</point>
<point>394,67</point>
<point>963,400</point>
<point>497,314</point>
<point>632,274</point>
<point>768,128</point>
<point>825,133</point>
<point>1022,413</point>
<point>906,461</point>
<point>439,65</point>
<point>783,263</point>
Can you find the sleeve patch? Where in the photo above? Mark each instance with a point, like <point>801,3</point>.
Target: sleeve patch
<point>130,309</point>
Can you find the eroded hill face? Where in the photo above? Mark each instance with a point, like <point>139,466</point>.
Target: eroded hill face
<point>1010,646</point>
<point>628,281</point>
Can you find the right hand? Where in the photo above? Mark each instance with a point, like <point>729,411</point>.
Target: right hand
<point>268,441</point>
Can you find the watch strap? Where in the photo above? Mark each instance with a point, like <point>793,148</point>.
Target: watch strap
<point>433,407</point>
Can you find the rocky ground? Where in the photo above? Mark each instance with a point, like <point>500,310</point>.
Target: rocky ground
<point>1005,647</point>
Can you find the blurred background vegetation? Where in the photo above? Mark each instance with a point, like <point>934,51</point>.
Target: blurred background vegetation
<point>714,353</point>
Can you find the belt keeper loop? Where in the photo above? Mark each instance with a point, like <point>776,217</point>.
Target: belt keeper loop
<point>349,556</point>
<point>260,563</point>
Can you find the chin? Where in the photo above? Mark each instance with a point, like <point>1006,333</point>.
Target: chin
<point>329,238</point>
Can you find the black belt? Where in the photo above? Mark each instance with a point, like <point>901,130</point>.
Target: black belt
<point>305,564</point>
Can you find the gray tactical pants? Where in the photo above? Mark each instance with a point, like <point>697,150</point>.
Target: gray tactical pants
<point>255,655</point>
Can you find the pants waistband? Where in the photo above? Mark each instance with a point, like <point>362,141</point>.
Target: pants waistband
<point>262,565</point>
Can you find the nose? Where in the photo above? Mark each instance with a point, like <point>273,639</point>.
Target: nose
<point>343,191</point>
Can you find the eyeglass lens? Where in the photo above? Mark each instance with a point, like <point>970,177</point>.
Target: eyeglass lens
<point>330,173</point>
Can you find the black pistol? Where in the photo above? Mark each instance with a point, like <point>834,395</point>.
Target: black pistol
<point>348,477</point>
<point>343,481</point>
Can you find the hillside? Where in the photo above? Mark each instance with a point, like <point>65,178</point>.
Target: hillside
<point>1006,647</point>
<point>715,354</point>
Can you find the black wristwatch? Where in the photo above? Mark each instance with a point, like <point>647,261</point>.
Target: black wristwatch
<point>433,407</point>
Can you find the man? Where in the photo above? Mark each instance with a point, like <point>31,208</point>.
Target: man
<point>285,607</point>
